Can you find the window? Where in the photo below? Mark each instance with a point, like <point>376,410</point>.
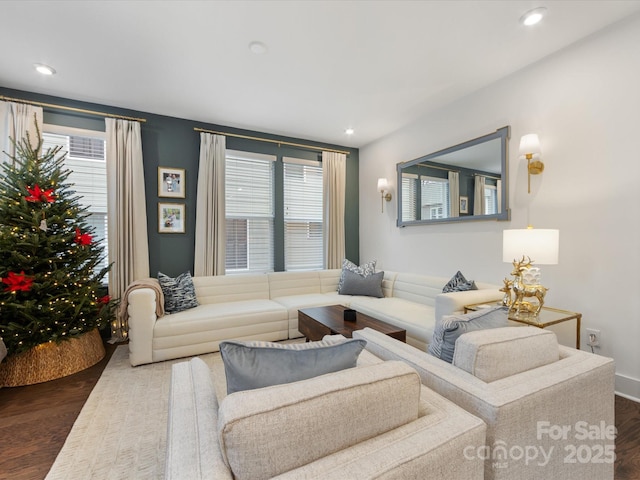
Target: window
<point>249,212</point>
<point>409,196</point>
<point>86,159</point>
<point>303,246</point>
<point>434,197</point>
<point>490,199</point>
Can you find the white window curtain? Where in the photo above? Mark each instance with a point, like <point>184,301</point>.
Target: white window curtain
<point>16,120</point>
<point>499,195</point>
<point>334,167</point>
<point>126,206</point>
<point>454,194</point>
<point>478,195</point>
<point>210,247</point>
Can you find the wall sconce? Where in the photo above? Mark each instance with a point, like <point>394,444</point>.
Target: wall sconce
<point>530,149</point>
<point>523,247</point>
<point>383,188</point>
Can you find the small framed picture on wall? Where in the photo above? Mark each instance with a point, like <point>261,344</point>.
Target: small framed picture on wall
<point>171,218</point>
<point>464,204</point>
<point>171,182</point>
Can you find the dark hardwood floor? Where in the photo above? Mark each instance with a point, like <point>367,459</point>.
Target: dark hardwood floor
<point>35,420</point>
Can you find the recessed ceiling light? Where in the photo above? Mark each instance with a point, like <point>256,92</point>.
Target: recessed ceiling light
<point>44,69</point>
<point>533,16</point>
<point>349,131</point>
<point>258,48</point>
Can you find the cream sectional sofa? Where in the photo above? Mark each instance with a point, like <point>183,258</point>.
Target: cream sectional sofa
<point>317,428</point>
<point>265,307</point>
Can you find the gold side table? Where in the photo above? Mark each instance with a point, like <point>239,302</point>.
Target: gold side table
<point>548,316</point>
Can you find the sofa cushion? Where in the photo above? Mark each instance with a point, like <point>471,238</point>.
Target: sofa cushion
<point>179,293</point>
<point>365,270</point>
<point>269,431</point>
<point>368,286</point>
<point>250,365</point>
<point>459,284</point>
<point>416,318</point>
<point>450,327</point>
<point>501,352</point>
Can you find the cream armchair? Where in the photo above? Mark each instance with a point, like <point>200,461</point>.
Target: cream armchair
<point>549,409</point>
<point>373,421</point>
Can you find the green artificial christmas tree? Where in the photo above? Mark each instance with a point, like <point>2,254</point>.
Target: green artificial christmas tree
<point>50,288</point>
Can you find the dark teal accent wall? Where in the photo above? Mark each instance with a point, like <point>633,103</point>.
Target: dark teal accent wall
<point>172,142</point>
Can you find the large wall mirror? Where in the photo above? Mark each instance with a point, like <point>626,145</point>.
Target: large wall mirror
<point>460,183</point>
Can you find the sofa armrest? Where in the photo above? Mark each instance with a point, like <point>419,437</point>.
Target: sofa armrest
<point>454,302</point>
<point>142,319</point>
<point>193,451</point>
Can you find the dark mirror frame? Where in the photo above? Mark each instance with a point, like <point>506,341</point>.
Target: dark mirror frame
<point>503,134</point>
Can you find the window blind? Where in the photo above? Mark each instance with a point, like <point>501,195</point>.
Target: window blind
<point>249,212</point>
<point>490,199</point>
<point>409,197</point>
<point>303,244</point>
<point>435,197</point>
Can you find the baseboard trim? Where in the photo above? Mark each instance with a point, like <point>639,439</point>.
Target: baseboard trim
<point>628,387</point>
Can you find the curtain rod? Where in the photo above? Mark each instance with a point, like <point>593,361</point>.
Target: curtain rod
<point>71,109</point>
<point>437,168</point>
<point>269,140</point>
<point>487,176</point>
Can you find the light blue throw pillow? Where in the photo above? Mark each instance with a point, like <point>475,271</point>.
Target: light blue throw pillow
<point>450,327</point>
<point>250,365</point>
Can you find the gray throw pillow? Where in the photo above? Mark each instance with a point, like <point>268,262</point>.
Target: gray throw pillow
<point>250,365</point>
<point>450,327</point>
<point>365,270</point>
<point>459,284</point>
<point>355,284</point>
<point>179,293</point>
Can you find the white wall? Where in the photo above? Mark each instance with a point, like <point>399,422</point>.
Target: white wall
<point>584,103</point>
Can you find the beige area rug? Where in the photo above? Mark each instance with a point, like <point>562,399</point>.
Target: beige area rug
<point>122,429</point>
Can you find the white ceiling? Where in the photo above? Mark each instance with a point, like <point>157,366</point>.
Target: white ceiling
<point>371,65</point>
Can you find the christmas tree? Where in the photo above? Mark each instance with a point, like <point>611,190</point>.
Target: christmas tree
<point>50,285</point>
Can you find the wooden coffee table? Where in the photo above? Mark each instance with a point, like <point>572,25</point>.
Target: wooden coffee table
<point>314,323</point>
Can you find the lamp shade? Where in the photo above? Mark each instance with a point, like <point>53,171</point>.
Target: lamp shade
<point>383,184</point>
<point>529,144</point>
<point>540,245</point>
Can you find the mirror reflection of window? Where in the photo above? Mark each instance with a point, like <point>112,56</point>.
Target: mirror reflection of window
<point>434,197</point>
<point>409,196</point>
<point>490,199</point>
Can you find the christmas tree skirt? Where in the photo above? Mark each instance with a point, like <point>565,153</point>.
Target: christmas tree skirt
<point>52,360</point>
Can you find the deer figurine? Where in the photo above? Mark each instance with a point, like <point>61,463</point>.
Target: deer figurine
<point>506,299</point>
<point>523,289</point>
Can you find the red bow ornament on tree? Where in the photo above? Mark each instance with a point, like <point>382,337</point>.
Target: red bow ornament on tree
<point>17,281</point>
<point>82,238</point>
<point>36,194</point>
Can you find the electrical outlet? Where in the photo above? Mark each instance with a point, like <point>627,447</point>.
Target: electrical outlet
<point>593,337</point>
